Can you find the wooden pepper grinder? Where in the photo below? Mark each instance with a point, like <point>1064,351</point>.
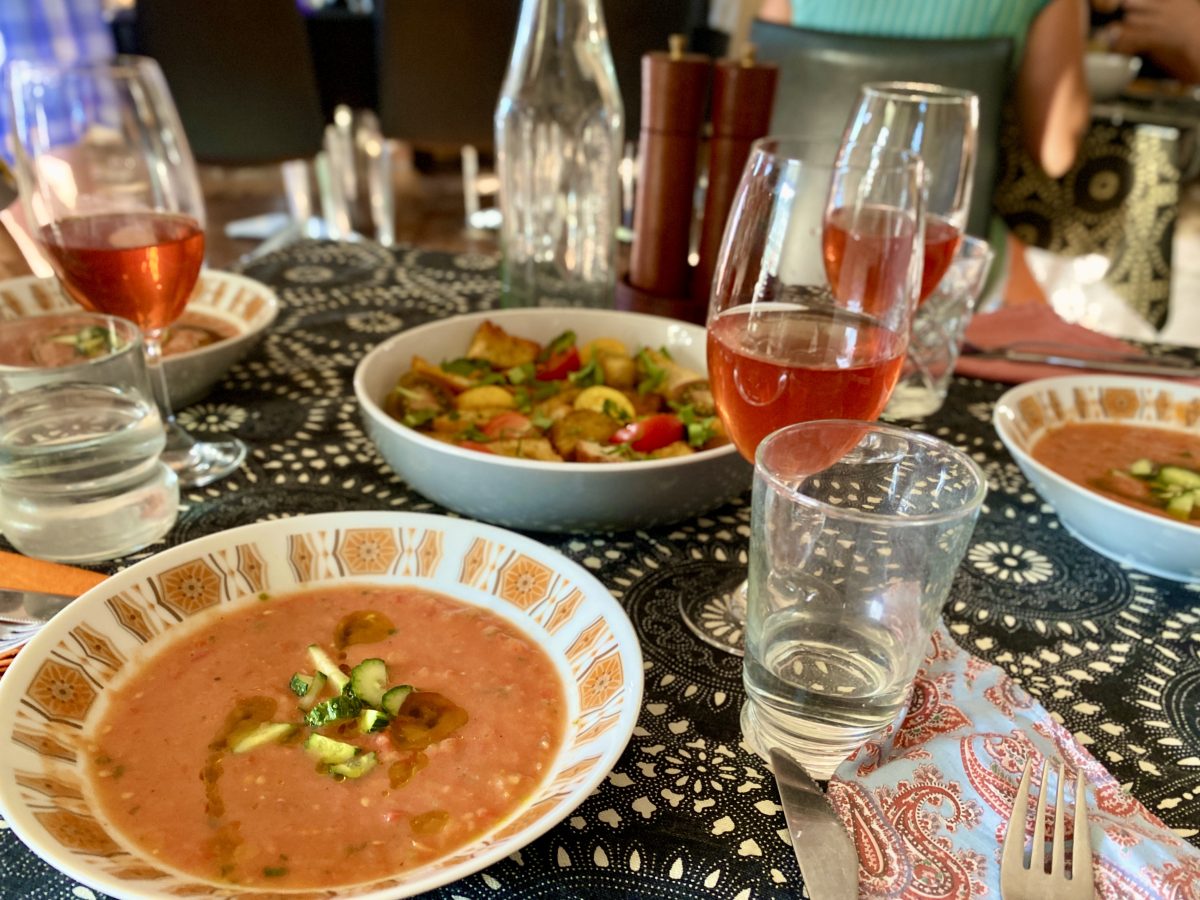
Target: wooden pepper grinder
<point>742,98</point>
<point>674,90</point>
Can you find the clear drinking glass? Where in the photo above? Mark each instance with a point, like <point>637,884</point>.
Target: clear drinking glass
<point>939,123</point>
<point>857,530</point>
<point>110,189</point>
<point>80,438</point>
<point>937,334</point>
<point>811,307</point>
<point>559,126</point>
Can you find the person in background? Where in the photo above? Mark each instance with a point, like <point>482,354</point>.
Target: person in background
<point>1050,90</point>
<point>1167,32</point>
<point>51,31</point>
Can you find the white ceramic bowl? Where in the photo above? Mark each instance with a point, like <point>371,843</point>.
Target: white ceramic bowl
<point>1108,74</point>
<point>546,496</point>
<point>248,307</point>
<point>52,694</point>
<point>1154,544</point>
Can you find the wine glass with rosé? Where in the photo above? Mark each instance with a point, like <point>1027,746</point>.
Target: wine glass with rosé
<point>109,186</point>
<point>807,321</point>
<point>941,125</point>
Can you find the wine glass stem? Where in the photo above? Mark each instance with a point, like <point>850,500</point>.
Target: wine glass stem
<point>179,442</point>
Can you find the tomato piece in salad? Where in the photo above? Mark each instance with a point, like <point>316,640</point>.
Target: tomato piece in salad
<point>559,365</point>
<point>507,425</point>
<point>651,433</point>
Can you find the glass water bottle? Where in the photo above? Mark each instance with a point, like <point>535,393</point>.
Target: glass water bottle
<point>559,130</point>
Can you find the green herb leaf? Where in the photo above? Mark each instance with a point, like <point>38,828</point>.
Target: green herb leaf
<point>560,344</point>
<point>466,367</point>
<point>615,411</point>
<point>274,871</point>
<point>473,433</point>
<point>520,374</point>
<point>700,429</point>
<point>418,417</point>
<point>653,375</point>
<point>587,376</point>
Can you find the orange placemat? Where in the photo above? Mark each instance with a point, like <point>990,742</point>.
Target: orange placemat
<point>23,573</point>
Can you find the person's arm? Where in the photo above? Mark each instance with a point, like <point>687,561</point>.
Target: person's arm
<point>1052,97</point>
<point>776,11</point>
<point>1168,31</point>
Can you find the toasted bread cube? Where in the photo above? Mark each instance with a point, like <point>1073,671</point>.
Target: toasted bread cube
<point>538,448</point>
<point>501,349</point>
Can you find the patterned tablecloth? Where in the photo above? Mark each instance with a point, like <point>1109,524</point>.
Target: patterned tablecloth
<point>1114,654</point>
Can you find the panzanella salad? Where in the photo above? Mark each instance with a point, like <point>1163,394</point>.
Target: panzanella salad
<point>563,401</point>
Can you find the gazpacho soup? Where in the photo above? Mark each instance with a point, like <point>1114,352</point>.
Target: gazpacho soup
<point>327,737</point>
<point>1156,470</point>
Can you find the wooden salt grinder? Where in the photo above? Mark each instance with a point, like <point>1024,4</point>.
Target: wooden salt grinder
<point>742,98</point>
<point>674,90</point>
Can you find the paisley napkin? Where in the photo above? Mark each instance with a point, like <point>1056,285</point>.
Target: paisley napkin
<point>928,803</point>
<point>24,573</point>
<point>1028,322</point>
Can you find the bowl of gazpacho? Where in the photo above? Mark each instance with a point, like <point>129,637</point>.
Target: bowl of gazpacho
<point>366,705</point>
<point>1118,458</point>
<point>226,316</point>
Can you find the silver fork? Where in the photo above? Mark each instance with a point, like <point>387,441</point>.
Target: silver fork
<point>14,633</point>
<point>1033,882</point>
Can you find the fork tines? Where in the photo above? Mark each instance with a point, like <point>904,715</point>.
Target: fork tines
<point>1019,881</point>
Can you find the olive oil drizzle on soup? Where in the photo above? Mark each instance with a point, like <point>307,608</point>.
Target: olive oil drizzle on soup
<point>193,759</point>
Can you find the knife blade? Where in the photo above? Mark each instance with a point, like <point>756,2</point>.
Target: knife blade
<point>30,607</point>
<point>823,847</point>
<point>1170,367</point>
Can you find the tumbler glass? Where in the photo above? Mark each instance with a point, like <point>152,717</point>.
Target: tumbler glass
<point>857,529</point>
<point>80,438</point>
<point>937,334</point>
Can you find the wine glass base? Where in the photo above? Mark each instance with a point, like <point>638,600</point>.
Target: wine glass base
<point>204,462</point>
<point>717,619</point>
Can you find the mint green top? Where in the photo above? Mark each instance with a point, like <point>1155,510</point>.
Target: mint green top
<point>922,18</point>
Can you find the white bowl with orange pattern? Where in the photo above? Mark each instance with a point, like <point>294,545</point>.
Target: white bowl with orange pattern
<point>73,674</point>
<point>1143,540</point>
<point>226,316</point>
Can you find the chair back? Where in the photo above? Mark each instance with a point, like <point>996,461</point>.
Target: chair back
<point>820,74</point>
<point>241,75</point>
<point>442,62</point>
<point>441,65</point>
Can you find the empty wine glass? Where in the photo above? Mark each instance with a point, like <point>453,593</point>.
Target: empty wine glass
<point>811,304</point>
<point>939,123</point>
<point>109,186</point>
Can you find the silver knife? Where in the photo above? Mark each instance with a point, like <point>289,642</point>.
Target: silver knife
<point>30,607</point>
<point>1170,367</point>
<point>823,847</point>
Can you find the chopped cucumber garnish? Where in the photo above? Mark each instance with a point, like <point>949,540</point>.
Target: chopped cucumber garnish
<point>337,678</point>
<point>368,680</point>
<point>1185,478</point>
<point>354,768</point>
<point>371,720</point>
<point>394,699</point>
<point>309,700</point>
<point>1181,507</point>
<point>264,733</point>
<point>300,684</point>
<point>327,750</point>
<point>1141,467</point>
<point>335,709</point>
